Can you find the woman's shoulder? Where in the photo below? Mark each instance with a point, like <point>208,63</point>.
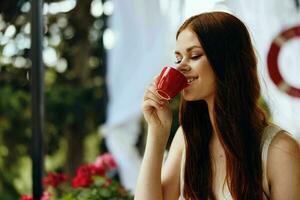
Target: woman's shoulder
<point>282,140</point>
<point>285,143</point>
<point>283,167</point>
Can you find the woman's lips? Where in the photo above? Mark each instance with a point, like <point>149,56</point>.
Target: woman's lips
<point>191,79</point>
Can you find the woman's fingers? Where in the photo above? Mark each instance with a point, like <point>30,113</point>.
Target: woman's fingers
<point>149,104</point>
<point>155,109</point>
<point>155,79</point>
<point>152,95</point>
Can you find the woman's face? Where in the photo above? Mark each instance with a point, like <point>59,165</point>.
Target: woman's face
<point>192,62</point>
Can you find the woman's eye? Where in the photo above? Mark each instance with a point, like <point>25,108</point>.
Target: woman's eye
<point>177,61</point>
<point>195,57</point>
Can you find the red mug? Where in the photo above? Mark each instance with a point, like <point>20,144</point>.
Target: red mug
<point>170,83</point>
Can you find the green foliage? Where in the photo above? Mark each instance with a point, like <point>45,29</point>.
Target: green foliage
<point>98,191</point>
<point>75,95</point>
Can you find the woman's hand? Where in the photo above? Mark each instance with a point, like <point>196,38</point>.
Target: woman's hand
<point>156,110</point>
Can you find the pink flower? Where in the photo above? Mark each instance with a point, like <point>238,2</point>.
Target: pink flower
<point>106,161</point>
<point>54,179</point>
<point>46,196</point>
<point>26,197</point>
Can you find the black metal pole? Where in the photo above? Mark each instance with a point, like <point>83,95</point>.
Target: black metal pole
<point>37,92</point>
<point>297,3</point>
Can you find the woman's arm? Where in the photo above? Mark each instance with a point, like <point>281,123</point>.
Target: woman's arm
<point>149,181</point>
<point>157,184</point>
<point>283,168</point>
<point>158,116</point>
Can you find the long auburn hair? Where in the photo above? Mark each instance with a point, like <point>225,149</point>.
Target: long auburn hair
<point>239,120</point>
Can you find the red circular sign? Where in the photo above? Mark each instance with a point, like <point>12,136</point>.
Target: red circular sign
<point>272,61</point>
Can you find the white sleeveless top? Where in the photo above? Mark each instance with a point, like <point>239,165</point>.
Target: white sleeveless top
<point>269,133</point>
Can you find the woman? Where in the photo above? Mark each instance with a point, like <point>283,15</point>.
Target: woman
<point>224,148</point>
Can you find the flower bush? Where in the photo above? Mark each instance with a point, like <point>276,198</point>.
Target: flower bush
<point>91,182</point>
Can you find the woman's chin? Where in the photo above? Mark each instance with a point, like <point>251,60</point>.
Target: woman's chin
<point>189,97</point>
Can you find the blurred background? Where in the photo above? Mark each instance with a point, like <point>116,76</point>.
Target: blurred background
<point>99,55</point>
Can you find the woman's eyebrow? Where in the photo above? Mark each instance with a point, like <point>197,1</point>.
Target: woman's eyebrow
<point>189,49</point>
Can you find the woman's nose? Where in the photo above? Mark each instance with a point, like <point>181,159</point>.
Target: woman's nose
<point>183,67</point>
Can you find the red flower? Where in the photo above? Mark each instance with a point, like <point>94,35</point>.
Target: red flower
<point>54,179</point>
<point>84,173</point>
<point>97,170</point>
<point>85,170</point>
<point>83,176</point>
<point>26,197</point>
<point>106,161</point>
<point>81,181</point>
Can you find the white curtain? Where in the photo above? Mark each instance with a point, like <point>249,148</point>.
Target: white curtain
<point>142,48</point>
<point>265,20</point>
